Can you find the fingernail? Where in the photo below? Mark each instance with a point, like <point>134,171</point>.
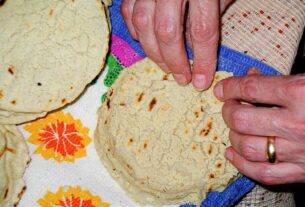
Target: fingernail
<point>218,90</point>
<point>199,81</point>
<point>180,78</point>
<point>229,154</point>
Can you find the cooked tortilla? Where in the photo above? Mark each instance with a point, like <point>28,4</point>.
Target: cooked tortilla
<point>13,161</point>
<point>49,52</point>
<point>163,143</point>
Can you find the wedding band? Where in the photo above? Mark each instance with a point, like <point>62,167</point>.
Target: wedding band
<point>271,155</point>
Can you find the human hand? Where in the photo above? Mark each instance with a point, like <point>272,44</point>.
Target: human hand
<point>159,26</point>
<point>251,125</point>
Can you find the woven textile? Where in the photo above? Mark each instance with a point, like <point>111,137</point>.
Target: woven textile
<point>262,197</point>
<point>268,30</point>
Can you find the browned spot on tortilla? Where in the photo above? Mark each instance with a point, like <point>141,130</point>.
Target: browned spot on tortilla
<point>189,122</point>
<point>217,77</point>
<point>13,102</point>
<point>122,104</point>
<point>196,114</point>
<point>140,97</point>
<point>108,150</point>
<point>211,176</point>
<point>165,77</point>
<point>224,144</point>
<point>2,2</point>
<point>105,122</point>
<point>130,78</point>
<point>130,142</point>
<point>1,93</point>
<point>114,169</point>
<point>194,147</point>
<point>186,131</point>
<point>51,12</point>
<point>63,101</point>
<point>219,165</point>
<point>210,149</point>
<point>129,167</point>
<point>10,150</point>
<point>22,191</point>
<point>145,144</point>
<point>110,92</point>
<point>11,70</point>
<point>71,87</point>
<point>215,138</point>
<point>5,194</point>
<point>205,132</point>
<point>50,100</point>
<point>108,103</point>
<point>202,109</point>
<point>210,189</point>
<point>152,104</point>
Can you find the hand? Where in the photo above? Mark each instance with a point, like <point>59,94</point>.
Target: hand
<point>250,125</point>
<point>159,26</point>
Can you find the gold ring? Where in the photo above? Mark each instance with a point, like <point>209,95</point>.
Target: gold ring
<point>271,155</point>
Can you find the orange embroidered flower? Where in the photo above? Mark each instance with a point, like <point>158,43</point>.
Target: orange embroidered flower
<point>71,197</point>
<point>59,136</point>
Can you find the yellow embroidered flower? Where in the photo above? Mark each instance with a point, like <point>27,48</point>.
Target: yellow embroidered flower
<point>59,136</point>
<point>71,197</point>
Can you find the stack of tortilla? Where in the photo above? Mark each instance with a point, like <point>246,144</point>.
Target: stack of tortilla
<point>49,52</point>
<point>13,161</point>
<point>163,143</point>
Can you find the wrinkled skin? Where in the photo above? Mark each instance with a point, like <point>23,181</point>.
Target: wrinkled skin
<point>159,26</point>
<point>250,125</point>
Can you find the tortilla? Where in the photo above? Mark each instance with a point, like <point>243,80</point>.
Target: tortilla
<point>13,161</point>
<point>49,52</point>
<point>163,143</point>
<point>7,117</point>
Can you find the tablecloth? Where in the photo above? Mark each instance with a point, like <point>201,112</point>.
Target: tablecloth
<point>65,169</point>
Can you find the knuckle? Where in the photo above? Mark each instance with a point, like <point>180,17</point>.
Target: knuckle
<point>266,176</point>
<point>237,119</point>
<point>295,89</point>
<point>249,87</point>
<point>167,31</point>
<point>125,9</point>
<point>140,19</point>
<point>247,150</point>
<point>293,126</point>
<point>202,31</point>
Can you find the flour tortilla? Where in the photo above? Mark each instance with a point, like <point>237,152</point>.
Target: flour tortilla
<point>7,117</point>
<point>49,52</point>
<point>13,161</point>
<point>163,143</point>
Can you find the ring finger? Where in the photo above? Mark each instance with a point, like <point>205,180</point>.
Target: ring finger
<point>254,148</point>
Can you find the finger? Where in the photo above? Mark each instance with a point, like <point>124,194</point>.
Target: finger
<point>204,30</point>
<point>249,119</point>
<point>254,89</point>
<point>224,4</point>
<point>253,71</point>
<point>127,11</point>
<point>266,173</point>
<point>254,148</point>
<point>143,21</point>
<point>169,31</point>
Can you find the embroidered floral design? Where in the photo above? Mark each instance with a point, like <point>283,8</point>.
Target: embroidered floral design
<point>59,136</point>
<point>71,197</point>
